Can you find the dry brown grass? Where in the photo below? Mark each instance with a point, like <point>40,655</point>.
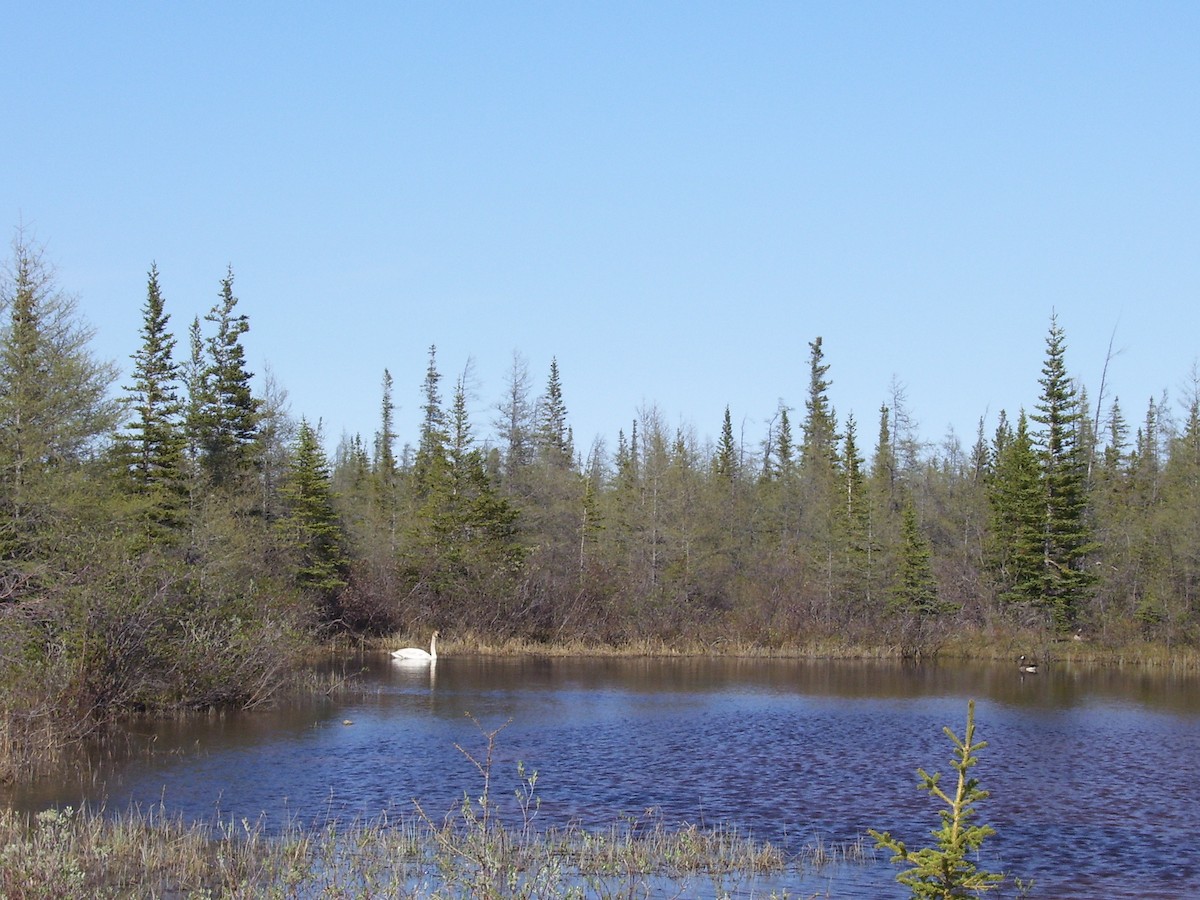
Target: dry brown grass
<point>978,645</point>
<point>473,644</point>
<point>68,854</point>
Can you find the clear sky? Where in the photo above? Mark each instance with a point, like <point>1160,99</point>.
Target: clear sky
<point>673,199</point>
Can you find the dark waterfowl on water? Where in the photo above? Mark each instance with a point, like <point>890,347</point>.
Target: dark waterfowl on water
<point>1027,665</point>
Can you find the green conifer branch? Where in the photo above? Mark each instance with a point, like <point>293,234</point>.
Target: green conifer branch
<point>943,871</point>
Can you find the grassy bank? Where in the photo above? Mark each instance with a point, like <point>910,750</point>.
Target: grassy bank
<point>982,646</point>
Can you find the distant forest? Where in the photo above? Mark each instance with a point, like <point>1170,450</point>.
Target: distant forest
<point>176,539</point>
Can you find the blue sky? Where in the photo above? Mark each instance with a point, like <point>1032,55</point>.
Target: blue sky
<point>673,199</point>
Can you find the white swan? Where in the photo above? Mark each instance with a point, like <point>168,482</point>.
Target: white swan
<point>416,654</point>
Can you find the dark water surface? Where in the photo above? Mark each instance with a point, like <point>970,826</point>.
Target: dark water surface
<point>1093,773</point>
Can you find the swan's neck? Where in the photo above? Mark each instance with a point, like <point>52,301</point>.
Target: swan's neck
<point>433,647</point>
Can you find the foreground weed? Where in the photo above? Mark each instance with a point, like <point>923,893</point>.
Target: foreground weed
<point>67,853</point>
<point>943,871</point>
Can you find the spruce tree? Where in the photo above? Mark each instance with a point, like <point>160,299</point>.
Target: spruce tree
<point>883,466</point>
<point>431,466</point>
<point>591,519</point>
<point>515,425</point>
<point>915,591</point>
<point>228,414</point>
<point>309,525</point>
<point>553,434</point>
<point>981,458</point>
<point>385,476</point>
<point>725,463</point>
<point>195,382</point>
<point>852,474</point>
<point>947,869</point>
<point>156,434</point>
<point>1146,465</point>
<point>463,533</point>
<point>819,450</point>
<point>883,506</point>
<point>1066,538</point>
<point>855,518</point>
<point>384,461</point>
<point>785,447</point>
<point>821,498</point>
<point>1118,437</point>
<point>1017,500</point>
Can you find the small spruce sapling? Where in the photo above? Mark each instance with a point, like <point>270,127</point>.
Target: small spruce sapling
<point>943,871</point>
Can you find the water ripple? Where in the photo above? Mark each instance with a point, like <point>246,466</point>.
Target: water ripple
<point>1093,789</point>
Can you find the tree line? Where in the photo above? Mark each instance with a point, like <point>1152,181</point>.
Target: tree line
<point>175,539</point>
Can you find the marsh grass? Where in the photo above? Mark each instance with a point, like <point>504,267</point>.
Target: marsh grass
<point>983,645</point>
<point>76,853</point>
<point>29,745</point>
<point>81,853</point>
<point>471,644</point>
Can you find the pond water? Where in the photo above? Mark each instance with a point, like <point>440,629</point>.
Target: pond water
<point>1092,772</point>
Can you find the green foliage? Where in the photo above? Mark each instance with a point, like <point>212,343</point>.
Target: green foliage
<point>225,412</point>
<point>554,440</point>
<point>461,541</point>
<point>155,436</point>
<point>1066,534</point>
<point>819,449</point>
<point>54,408</point>
<point>1041,544</point>
<point>309,525</point>
<point>1017,499</point>
<point>916,590</point>
<point>856,517</point>
<point>944,870</point>
<point>725,463</point>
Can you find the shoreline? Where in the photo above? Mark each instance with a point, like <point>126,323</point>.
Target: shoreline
<point>976,647</point>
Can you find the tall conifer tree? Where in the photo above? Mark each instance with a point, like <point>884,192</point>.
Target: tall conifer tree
<point>228,412</point>
<point>554,435</point>
<point>1066,534</point>
<point>431,466</point>
<point>385,474</point>
<point>156,433</point>
<point>785,447</point>
<point>915,591</point>
<point>309,524</point>
<point>515,424</point>
<point>725,463</point>
<point>1018,507</point>
<point>819,449</point>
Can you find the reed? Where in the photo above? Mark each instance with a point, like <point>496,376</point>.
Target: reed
<point>982,644</point>
<point>78,853</point>
<point>29,743</point>
<point>472,644</point>
<point>83,853</point>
